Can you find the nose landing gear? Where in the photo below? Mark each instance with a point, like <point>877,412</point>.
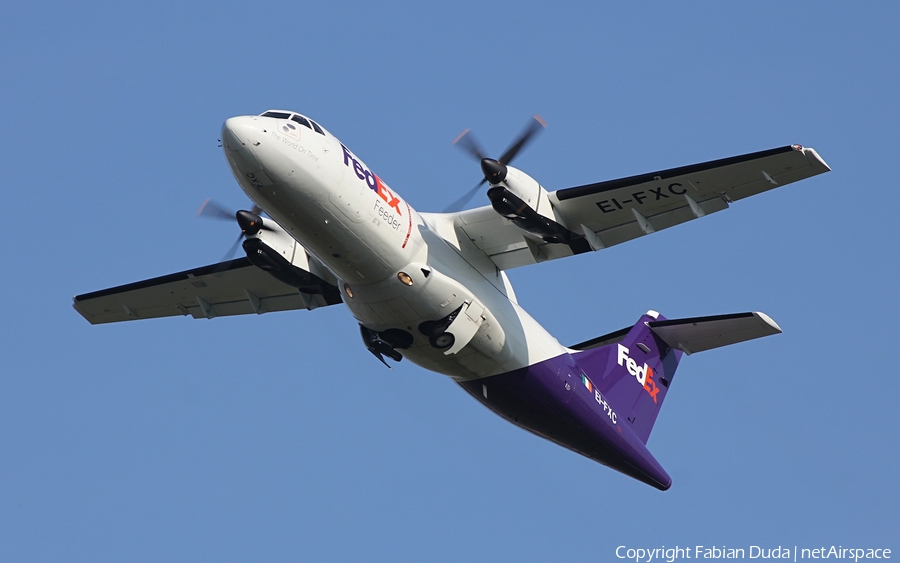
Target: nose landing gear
<point>385,343</point>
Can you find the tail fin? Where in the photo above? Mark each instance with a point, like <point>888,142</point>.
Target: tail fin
<point>633,368</point>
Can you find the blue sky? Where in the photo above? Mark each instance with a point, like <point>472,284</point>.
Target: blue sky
<point>279,437</point>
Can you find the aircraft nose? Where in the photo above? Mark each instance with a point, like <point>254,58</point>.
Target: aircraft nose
<point>239,132</point>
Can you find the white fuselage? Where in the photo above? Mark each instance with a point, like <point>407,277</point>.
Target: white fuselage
<point>365,234</point>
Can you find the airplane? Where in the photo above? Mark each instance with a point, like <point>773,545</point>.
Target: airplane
<point>433,287</point>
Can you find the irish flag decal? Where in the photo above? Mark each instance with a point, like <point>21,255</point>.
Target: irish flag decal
<point>587,383</point>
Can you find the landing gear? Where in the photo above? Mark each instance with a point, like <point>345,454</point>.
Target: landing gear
<point>436,331</point>
<point>388,342</point>
<point>385,343</point>
<point>442,341</point>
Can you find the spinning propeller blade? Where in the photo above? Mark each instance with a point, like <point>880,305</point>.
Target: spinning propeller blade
<point>233,250</point>
<point>493,170</point>
<point>535,127</point>
<point>214,210</point>
<point>211,209</point>
<point>464,200</point>
<point>466,141</point>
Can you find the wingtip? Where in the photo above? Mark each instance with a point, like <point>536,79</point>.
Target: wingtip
<point>815,156</point>
<point>769,321</point>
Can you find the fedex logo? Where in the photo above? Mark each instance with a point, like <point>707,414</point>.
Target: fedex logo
<point>644,374</point>
<point>374,182</point>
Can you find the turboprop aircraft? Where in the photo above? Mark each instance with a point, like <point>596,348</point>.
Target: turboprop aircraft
<point>432,287</point>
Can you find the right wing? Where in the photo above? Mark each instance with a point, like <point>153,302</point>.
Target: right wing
<point>620,210</point>
<point>616,211</point>
<point>236,287</point>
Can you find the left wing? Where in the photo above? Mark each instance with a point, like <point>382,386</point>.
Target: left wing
<point>236,287</point>
<point>615,211</point>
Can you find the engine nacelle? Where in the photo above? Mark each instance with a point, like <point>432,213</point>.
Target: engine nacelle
<point>272,249</point>
<point>522,200</point>
<point>528,190</point>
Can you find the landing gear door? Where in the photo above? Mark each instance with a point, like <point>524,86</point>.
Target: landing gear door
<point>465,325</point>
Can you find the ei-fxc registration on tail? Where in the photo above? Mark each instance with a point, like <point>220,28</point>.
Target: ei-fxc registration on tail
<point>432,287</point>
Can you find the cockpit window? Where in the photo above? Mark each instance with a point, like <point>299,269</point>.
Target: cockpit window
<point>309,123</point>
<point>301,120</point>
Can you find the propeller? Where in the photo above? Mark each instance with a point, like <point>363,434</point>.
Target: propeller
<point>250,222</point>
<point>494,170</point>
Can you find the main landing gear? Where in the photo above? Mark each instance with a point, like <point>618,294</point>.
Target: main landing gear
<point>436,331</point>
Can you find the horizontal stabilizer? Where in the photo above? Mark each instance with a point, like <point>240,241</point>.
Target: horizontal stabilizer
<point>705,333</point>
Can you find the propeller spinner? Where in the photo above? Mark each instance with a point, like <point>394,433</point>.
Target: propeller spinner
<point>250,222</point>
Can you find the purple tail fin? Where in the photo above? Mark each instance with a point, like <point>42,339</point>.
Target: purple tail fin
<point>633,368</point>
